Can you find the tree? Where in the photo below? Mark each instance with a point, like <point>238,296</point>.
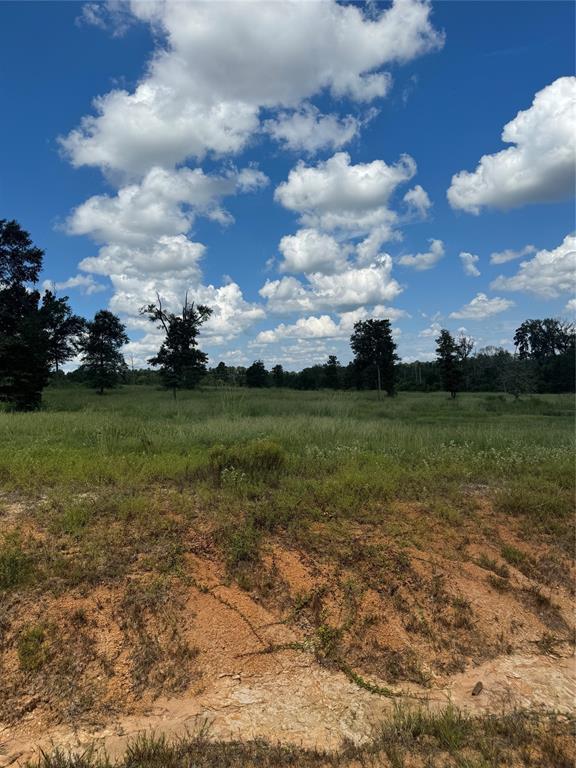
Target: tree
<point>24,365</point>
<point>182,364</point>
<point>332,369</point>
<point>448,359</point>
<point>375,352</point>
<point>104,363</point>
<point>63,329</point>
<point>551,345</point>
<point>257,375</point>
<point>540,339</point>
<point>278,376</point>
<point>221,373</point>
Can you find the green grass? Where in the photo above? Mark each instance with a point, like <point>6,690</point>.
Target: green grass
<point>139,435</point>
<point>408,737</point>
<point>121,476</point>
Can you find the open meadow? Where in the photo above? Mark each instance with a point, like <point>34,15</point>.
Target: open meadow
<point>289,566</point>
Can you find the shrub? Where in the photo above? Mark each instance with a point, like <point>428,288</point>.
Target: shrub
<point>15,564</point>
<point>257,458</point>
<point>32,649</point>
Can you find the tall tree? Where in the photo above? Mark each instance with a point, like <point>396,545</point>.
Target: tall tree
<point>24,365</point>
<point>100,346</point>
<point>448,359</point>
<point>182,364</point>
<point>332,369</point>
<point>278,376</point>
<point>257,375</point>
<point>63,329</point>
<point>375,352</point>
<point>539,339</point>
<point>551,345</point>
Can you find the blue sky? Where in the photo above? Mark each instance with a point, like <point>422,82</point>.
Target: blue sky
<point>297,166</point>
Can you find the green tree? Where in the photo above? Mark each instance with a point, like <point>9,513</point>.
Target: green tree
<point>551,345</point>
<point>100,346</point>
<point>278,376</point>
<point>448,359</point>
<point>332,370</point>
<point>257,375</point>
<point>375,353</point>
<point>182,364</point>
<point>63,329</point>
<point>24,367</point>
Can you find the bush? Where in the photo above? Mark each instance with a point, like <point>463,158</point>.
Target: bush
<point>15,564</point>
<point>257,458</point>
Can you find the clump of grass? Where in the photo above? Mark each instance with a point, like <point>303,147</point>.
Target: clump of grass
<point>15,563</point>
<point>409,736</point>
<point>514,556</point>
<point>543,507</point>
<point>31,647</point>
<point>257,458</point>
<point>489,564</point>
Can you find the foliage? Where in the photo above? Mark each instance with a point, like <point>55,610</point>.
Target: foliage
<point>375,352</point>
<point>104,364</point>
<point>257,375</point>
<point>63,329</point>
<point>448,359</point>
<point>23,342</point>
<point>182,364</point>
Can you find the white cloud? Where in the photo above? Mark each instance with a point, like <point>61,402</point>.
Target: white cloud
<point>548,274</point>
<point>304,328</point>
<point>163,203</point>
<point>324,327</point>
<point>431,332</point>
<point>349,289</point>
<point>335,194</point>
<point>469,261</point>
<point>307,130</point>
<point>312,251</point>
<point>85,283</point>
<point>418,201</point>
<point>481,307</point>
<point>571,307</point>
<point>539,167</point>
<point>501,257</point>
<point>423,261</point>
<point>218,64</point>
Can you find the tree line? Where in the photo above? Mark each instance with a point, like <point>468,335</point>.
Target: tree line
<point>39,334</point>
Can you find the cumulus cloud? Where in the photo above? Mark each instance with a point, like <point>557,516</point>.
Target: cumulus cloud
<point>163,203</point>
<point>431,332</point>
<point>312,251</point>
<point>218,64</point>
<point>501,257</point>
<point>469,261</point>
<point>571,307</point>
<point>324,327</point>
<point>539,167</point>
<point>335,194</point>
<point>348,289</point>
<point>307,130</point>
<point>481,307</point>
<point>548,274</point>
<point>418,201</point>
<point>85,283</point>
<point>423,261</point>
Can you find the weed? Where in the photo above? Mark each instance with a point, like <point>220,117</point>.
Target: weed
<point>31,646</point>
<point>15,563</point>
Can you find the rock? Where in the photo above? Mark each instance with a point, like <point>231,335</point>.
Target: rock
<point>477,689</point>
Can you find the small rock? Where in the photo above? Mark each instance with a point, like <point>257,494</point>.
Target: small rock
<point>477,688</point>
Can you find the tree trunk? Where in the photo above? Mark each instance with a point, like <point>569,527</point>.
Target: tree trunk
<point>379,385</point>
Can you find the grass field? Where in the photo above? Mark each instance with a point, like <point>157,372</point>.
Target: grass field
<point>396,510</point>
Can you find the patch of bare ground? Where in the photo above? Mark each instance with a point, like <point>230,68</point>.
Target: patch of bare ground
<point>317,646</point>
